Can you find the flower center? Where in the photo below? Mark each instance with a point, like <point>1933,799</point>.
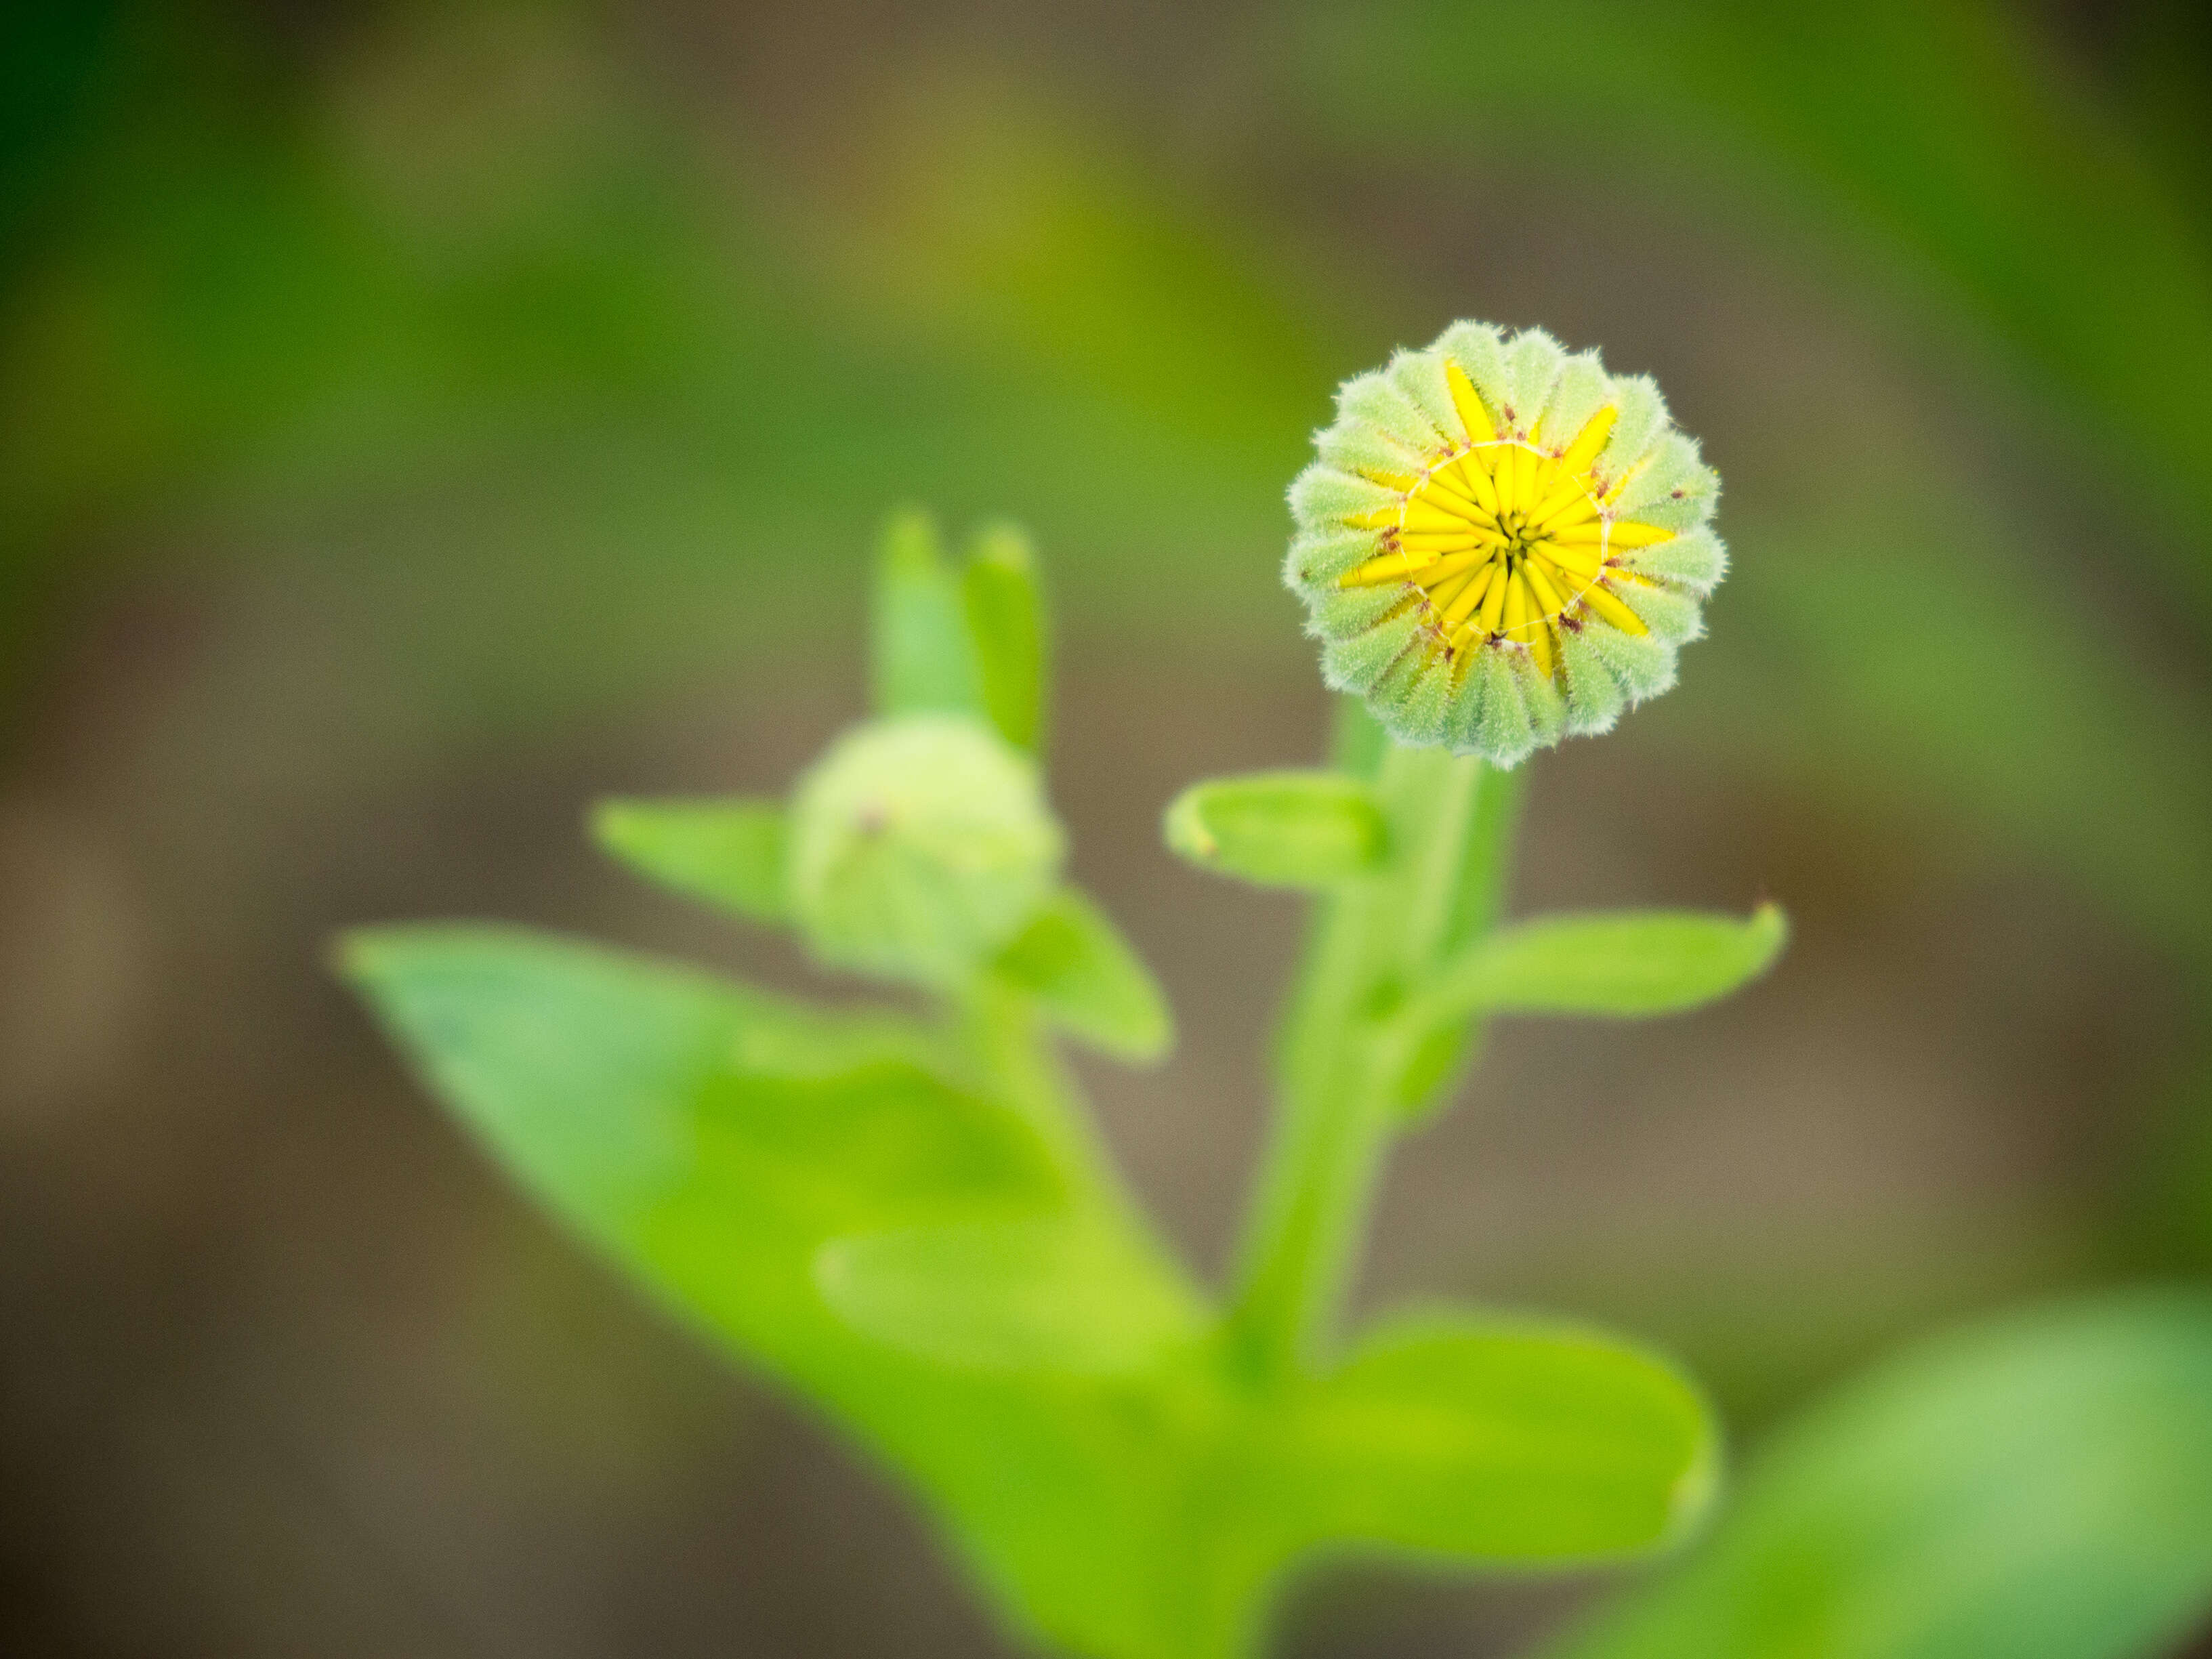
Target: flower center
<point>1507,542</point>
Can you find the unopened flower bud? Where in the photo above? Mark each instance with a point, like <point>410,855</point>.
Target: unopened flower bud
<point>1502,545</point>
<point>918,846</point>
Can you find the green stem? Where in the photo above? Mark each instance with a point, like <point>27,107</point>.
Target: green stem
<point>1344,1060</point>
<point>999,1027</point>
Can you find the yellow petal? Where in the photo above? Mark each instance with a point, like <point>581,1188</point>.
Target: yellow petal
<point>1390,567</point>
<point>1626,532</point>
<point>1584,562</point>
<point>1464,602</point>
<point>1577,509</point>
<point>1516,475</point>
<point>1507,475</point>
<point>1474,476</point>
<point>1548,601</point>
<point>1612,610</point>
<point>1382,518</point>
<point>1588,442</point>
<point>1424,512</point>
<point>1540,646</point>
<point>1516,606</point>
<point>1447,491</point>
<point>1493,604</point>
<point>1468,402</point>
<point>1441,541</point>
<point>1445,589</point>
<point>1443,570</point>
<point>1560,501</point>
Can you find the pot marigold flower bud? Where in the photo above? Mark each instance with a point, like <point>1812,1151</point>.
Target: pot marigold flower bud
<point>918,846</point>
<point>1501,544</point>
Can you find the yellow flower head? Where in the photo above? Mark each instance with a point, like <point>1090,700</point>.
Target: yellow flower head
<point>1501,544</point>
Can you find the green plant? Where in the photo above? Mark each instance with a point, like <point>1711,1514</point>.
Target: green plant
<point>906,1216</point>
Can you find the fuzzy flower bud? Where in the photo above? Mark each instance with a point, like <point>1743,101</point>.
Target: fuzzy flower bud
<point>920,846</point>
<point>1501,544</point>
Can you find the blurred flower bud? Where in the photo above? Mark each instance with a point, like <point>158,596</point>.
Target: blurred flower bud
<point>920,846</point>
<point>1502,545</point>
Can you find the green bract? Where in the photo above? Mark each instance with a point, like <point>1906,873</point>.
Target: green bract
<point>1501,544</point>
<point>918,846</point>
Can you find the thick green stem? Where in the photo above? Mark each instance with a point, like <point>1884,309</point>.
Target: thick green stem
<point>1345,1062</point>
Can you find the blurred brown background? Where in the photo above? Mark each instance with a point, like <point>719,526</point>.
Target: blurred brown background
<point>416,421</point>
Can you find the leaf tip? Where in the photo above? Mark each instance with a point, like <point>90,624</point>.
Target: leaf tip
<point>909,539</point>
<point>1768,929</point>
<point>357,955</point>
<point>611,823</point>
<point>1183,827</point>
<point>1000,543</point>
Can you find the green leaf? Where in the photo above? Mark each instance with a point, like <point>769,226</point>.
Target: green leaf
<point>1089,980</point>
<point>1044,1295</point>
<point>641,1097</point>
<point>713,1139</point>
<point>1279,829</point>
<point>923,659</point>
<point>1501,1441</point>
<point>729,852</point>
<point>1007,622</point>
<point>2036,1488</point>
<point>1632,964</point>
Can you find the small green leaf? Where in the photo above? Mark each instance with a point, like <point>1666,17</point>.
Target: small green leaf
<point>729,852</point>
<point>1043,1295</point>
<point>1279,829</point>
<point>923,659</point>
<point>1089,980</point>
<point>1006,621</point>
<point>1500,1441</point>
<point>2036,1488</point>
<point>1631,963</point>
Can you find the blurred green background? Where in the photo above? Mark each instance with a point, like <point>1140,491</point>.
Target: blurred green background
<point>416,420</point>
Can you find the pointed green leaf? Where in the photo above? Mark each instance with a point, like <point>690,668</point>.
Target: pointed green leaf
<point>1499,1441</point>
<point>1631,963</point>
<point>1279,829</point>
<point>1007,621</point>
<point>1089,980</point>
<point>923,661</point>
<point>664,1115</point>
<point>728,852</point>
<point>635,1095</point>
<point>2036,1488</point>
<point>1042,1295</point>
